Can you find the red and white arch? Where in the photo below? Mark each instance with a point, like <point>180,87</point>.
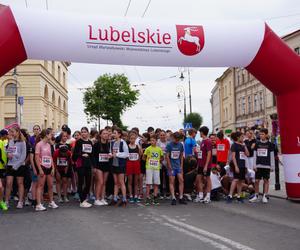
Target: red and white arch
<point>36,34</point>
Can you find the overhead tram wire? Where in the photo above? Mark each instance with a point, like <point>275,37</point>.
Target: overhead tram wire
<point>147,7</point>
<point>128,6</point>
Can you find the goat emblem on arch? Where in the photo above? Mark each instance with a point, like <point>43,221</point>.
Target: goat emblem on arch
<point>190,39</point>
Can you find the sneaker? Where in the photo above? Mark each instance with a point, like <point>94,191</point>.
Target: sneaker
<point>188,197</point>
<point>3,206</point>
<point>182,201</point>
<point>16,198</point>
<point>66,199</point>
<point>20,205</point>
<point>76,196</point>
<point>104,202</point>
<point>131,200</point>
<point>264,199</point>
<point>60,200</point>
<point>124,204</point>
<point>52,205</point>
<point>173,202</point>
<point>92,197</point>
<point>155,201</point>
<point>85,204</point>
<point>40,207</point>
<point>229,199</point>
<point>206,200</point>
<point>136,200</point>
<point>148,202</point>
<point>254,199</point>
<point>27,203</point>
<point>98,203</point>
<point>198,199</point>
<point>240,200</point>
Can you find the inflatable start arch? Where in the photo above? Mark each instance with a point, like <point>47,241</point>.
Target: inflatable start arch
<point>31,34</point>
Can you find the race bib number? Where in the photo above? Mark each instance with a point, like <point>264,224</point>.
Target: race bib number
<point>153,163</point>
<point>87,148</point>
<point>115,150</point>
<point>62,162</point>
<point>175,155</point>
<point>214,151</point>
<point>12,150</point>
<point>103,158</point>
<point>262,152</point>
<point>200,154</point>
<point>133,156</point>
<point>242,156</point>
<point>221,147</point>
<point>46,161</point>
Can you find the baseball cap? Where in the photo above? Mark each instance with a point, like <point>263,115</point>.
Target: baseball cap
<point>3,132</point>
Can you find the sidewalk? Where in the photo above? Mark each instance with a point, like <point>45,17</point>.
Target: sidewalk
<point>276,193</point>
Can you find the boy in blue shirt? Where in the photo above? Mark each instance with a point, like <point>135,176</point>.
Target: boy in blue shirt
<point>174,158</point>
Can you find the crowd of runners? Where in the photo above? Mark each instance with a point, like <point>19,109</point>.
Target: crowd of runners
<point>114,167</point>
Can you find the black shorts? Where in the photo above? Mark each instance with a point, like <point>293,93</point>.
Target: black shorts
<point>103,168</point>
<point>63,174</point>
<point>241,175</point>
<point>47,171</point>
<point>118,170</point>
<point>2,173</point>
<point>20,172</point>
<point>200,171</point>
<point>262,173</point>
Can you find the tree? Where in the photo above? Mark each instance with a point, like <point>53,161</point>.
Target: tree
<point>108,98</point>
<point>194,118</point>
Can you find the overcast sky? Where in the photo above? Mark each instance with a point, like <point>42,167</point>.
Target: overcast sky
<point>158,105</point>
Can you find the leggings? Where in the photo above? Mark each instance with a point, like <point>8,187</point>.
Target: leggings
<point>84,182</point>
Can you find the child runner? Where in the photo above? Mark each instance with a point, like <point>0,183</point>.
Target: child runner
<point>174,158</point>
<point>164,179</point>
<point>34,173</point>
<point>102,163</point>
<point>145,144</point>
<point>46,170</point>
<point>82,156</point>
<point>62,163</point>
<point>264,162</point>
<point>120,154</point>
<point>223,148</point>
<point>204,166</point>
<point>250,143</point>
<point>16,154</point>
<point>239,153</point>
<point>153,156</point>
<point>133,167</point>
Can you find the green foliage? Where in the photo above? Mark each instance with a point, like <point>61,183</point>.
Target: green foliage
<point>109,97</point>
<point>194,118</point>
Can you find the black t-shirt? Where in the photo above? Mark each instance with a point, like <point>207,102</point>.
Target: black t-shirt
<point>83,147</point>
<point>249,143</point>
<point>100,154</point>
<point>263,152</point>
<point>240,156</point>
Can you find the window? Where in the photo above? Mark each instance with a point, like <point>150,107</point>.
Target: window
<point>8,121</point>
<point>249,104</point>
<point>64,79</point>
<point>58,73</point>
<point>53,68</point>
<point>230,112</point>
<point>243,78</point>
<point>255,103</point>
<point>243,105</point>
<point>225,90</point>
<point>11,89</point>
<point>46,92</point>
<point>297,50</point>
<point>46,65</point>
<point>261,99</point>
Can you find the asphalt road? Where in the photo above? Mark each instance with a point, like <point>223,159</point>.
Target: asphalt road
<point>196,226</point>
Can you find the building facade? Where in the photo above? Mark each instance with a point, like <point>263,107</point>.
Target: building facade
<point>253,103</point>
<point>35,93</point>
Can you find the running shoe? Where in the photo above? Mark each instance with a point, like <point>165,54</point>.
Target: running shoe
<point>136,200</point>
<point>264,199</point>
<point>182,201</point>
<point>104,202</point>
<point>173,202</point>
<point>124,204</point>
<point>27,203</point>
<point>229,199</point>
<point>188,197</point>
<point>52,205</point>
<point>20,205</point>
<point>40,208</point>
<point>254,199</point>
<point>131,200</point>
<point>66,199</point>
<point>240,200</point>
<point>3,206</point>
<point>60,200</point>
<point>198,200</point>
<point>16,198</point>
<point>148,202</point>
<point>85,204</point>
<point>76,196</point>
<point>206,200</point>
<point>155,201</point>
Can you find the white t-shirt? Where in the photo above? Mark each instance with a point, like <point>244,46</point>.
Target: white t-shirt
<point>215,181</point>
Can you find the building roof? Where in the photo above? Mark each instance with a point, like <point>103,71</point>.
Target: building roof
<point>291,34</point>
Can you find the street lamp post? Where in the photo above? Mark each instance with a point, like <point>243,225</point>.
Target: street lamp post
<point>181,90</point>
<point>16,94</point>
<point>190,90</point>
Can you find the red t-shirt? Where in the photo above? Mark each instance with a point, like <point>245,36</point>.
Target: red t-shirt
<point>205,147</point>
<point>223,147</point>
<point>61,161</point>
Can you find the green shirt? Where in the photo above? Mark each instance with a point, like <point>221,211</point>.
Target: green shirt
<point>3,155</point>
<point>153,157</point>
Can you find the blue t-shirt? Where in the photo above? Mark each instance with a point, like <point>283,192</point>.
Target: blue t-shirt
<point>175,150</point>
<point>189,144</point>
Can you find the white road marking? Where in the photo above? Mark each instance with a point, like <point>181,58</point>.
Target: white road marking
<point>198,237</point>
<point>197,230</point>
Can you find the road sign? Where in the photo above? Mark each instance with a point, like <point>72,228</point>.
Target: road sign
<point>21,100</point>
<point>188,126</point>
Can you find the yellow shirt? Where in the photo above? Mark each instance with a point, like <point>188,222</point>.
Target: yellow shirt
<point>153,157</point>
<point>3,155</point>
